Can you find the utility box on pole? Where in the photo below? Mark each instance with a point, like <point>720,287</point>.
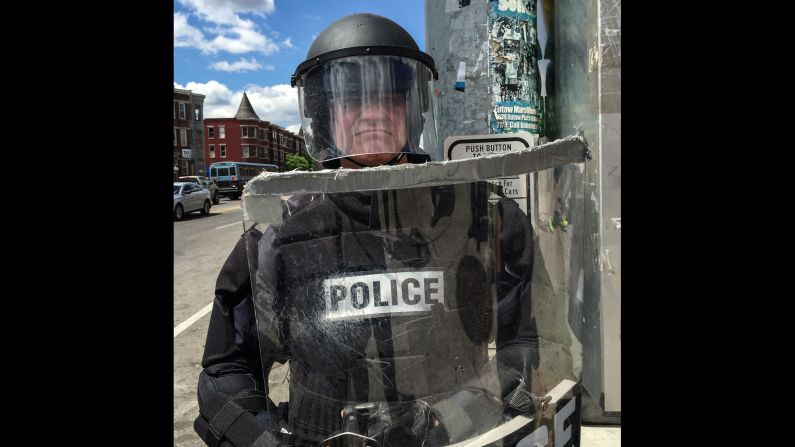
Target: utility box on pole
<point>550,69</point>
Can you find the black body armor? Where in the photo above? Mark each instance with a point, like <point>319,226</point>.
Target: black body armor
<point>389,296</point>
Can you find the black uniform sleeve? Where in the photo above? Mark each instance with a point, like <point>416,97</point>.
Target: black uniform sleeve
<point>231,389</point>
<point>517,335</point>
<point>231,337</point>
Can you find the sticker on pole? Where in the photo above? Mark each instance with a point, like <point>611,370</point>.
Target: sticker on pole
<point>473,146</point>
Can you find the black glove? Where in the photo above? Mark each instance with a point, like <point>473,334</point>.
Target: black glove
<point>427,425</point>
<point>463,415</point>
<point>249,432</point>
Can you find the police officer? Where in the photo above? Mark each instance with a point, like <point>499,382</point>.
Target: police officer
<point>338,274</point>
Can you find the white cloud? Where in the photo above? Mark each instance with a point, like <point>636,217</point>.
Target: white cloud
<point>231,32</point>
<point>277,103</point>
<point>185,35</point>
<point>243,39</point>
<point>288,43</point>
<point>270,67</point>
<point>295,128</point>
<point>236,67</point>
<point>218,101</point>
<point>228,11</point>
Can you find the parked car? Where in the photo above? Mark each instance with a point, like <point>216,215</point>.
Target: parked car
<point>190,197</point>
<point>205,183</point>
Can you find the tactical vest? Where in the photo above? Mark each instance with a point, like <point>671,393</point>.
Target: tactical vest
<point>384,296</point>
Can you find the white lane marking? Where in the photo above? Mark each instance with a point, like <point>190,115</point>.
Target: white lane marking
<point>194,318</point>
<point>228,225</point>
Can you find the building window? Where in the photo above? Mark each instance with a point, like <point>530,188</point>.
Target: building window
<point>212,151</point>
<point>244,131</point>
<point>197,115</point>
<point>245,151</point>
<point>221,132</point>
<point>223,150</point>
<point>260,152</point>
<point>183,134</point>
<point>182,110</point>
<point>210,132</point>
<point>175,136</point>
<point>184,167</point>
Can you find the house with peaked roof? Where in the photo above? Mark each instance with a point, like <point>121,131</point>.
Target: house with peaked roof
<point>246,137</point>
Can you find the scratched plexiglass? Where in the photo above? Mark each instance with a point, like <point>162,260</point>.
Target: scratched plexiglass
<point>430,311</point>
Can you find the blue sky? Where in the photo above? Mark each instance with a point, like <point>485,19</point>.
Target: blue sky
<point>225,47</point>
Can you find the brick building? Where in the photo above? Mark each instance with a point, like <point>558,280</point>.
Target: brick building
<point>246,137</point>
<point>188,133</point>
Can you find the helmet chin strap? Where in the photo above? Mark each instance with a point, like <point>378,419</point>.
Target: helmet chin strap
<point>389,163</point>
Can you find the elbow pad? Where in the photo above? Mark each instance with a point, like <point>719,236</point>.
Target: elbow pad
<point>228,400</point>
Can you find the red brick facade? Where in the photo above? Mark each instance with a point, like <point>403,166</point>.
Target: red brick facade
<point>265,142</point>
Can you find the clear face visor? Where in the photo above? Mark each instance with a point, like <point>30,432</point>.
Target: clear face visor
<point>365,106</point>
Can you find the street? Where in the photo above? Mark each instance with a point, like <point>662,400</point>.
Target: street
<point>201,245</point>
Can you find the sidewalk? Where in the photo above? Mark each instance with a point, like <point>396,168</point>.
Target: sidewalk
<point>600,436</point>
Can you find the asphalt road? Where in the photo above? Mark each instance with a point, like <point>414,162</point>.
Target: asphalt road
<point>201,245</point>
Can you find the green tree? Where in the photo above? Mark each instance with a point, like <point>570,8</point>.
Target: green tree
<point>298,161</point>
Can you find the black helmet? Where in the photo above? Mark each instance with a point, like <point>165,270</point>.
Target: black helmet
<point>365,88</point>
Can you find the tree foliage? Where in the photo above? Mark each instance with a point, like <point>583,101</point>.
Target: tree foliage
<point>298,161</point>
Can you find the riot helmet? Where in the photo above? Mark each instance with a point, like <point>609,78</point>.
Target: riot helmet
<point>365,89</point>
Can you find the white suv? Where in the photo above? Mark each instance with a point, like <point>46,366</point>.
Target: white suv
<point>205,183</point>
<point>190,197</point>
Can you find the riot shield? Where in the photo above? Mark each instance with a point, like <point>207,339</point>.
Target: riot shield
<point>401,297</point>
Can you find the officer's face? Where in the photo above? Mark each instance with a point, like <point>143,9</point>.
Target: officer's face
<point>373,129</point>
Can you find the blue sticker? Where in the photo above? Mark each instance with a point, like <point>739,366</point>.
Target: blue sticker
<point>460,79</point>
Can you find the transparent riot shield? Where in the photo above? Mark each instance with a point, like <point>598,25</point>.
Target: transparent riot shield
<point>401,298</point>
